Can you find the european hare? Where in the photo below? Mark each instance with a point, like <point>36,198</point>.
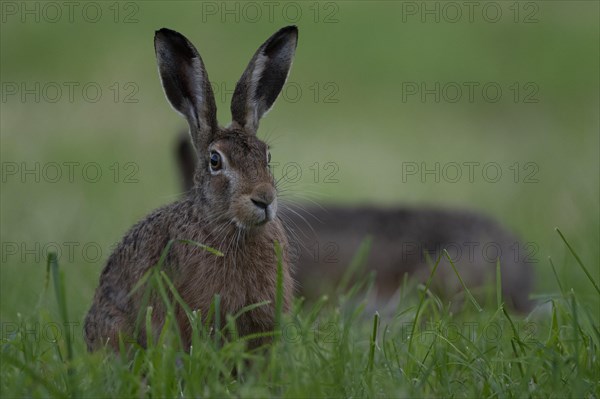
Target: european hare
<point>325,239</point>
<point>231,207</point>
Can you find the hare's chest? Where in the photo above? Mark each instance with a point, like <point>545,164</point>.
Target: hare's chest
<point>246,282</point>
<point>237,282</point>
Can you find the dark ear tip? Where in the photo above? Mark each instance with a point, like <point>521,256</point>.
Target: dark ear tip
<point>289,30</point>
<point>165,38</point>
<point>168,34</point>
<point>284,36</point>
<point>163,32</point>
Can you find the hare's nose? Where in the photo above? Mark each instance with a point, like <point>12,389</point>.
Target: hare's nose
<point>259,203</point>
<point>263,196</point>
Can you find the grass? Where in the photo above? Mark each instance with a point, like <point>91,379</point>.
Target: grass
<point>329,349</point>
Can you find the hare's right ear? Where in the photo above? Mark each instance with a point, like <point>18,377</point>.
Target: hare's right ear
<point>186,84</point>
<point>263,79</point>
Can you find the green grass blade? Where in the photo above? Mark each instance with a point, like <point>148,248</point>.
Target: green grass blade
<point>553,336</point>
<point>149,328</point>
<point>204,247</point>
<point>217,325</point>
<point>373,343</point>
<point>467,290</point>
<point>59,289</point>
<point>560,287</point>
<point>519,365</point>
<point>516,337</point>
<point>498,284</point>
<point>164,253</point>
<point>249,308</point>
<point>279,286</point>
<point>421,300</point>
<point>589,276</point>
<point>576,328</point>
<point>58,279</point>
<point>175,293</point>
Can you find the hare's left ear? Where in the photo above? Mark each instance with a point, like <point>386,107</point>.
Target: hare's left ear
<point>186,85</point>
<point>263,79</point>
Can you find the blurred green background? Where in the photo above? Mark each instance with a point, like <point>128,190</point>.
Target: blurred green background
<point>346,102</point>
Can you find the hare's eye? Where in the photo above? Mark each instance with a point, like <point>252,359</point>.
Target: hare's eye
<point>215,161</point>
<point>268,157</point>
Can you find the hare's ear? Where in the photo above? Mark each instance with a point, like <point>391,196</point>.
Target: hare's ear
<point>263,79</point>
<point>186,84</point>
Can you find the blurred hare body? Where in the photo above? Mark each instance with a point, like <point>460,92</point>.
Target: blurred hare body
<point>409,241</point>
<point>232,206</point>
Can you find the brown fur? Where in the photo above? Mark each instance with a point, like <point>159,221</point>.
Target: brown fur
<point>232,209</point>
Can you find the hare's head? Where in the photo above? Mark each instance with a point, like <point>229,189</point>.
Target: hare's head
<point>232,177</point>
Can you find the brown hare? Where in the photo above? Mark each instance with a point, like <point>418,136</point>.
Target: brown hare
<point>324,241</point>
<point>232,206</point>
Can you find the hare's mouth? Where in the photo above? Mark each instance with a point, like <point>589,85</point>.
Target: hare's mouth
<point>249,226</point>
<point>255,215</point>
